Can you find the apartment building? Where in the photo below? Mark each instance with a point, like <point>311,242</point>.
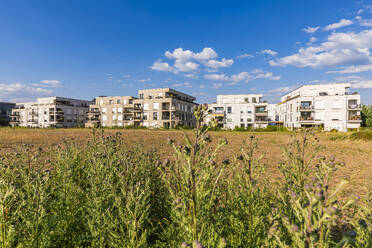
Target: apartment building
<point>153,108</point>
<point>5,111</point>
<point>245,110</point>
<point>330,106</point>
<point>50,112</point>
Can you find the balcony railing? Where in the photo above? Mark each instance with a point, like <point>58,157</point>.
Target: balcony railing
<point>306,118</point>
<point>355,118</point>
<point>306,107</point>
<point>218,111</point>
<point>355,106</point>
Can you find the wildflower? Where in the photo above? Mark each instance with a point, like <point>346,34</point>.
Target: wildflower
<point>332,158</point>
<point>342,164</point>
<point>185,245</point>
<point>295,228</point>
<point>196,244</point>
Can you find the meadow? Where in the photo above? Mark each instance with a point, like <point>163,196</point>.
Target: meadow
<point>178,188</point>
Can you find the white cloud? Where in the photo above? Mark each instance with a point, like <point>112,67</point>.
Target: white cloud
<point>340,24</point>
<point>191,75</point>
<point>184,55</point>
<point>219,64</point>
<point>48,83</point>
<point>243,76</point>
<point>364,22</point>
<point>185,84</point>
<point>313,39</point>
<point>189,61</point>
<point>162,66</point>
<point>311,30</point>
<point>357,82</point>
<point>144,80</point>
<point>269,51</point>
<point>216,77</point>
<point>16,92</point>
<point>244,55</point>
<point>283,90</point>
<point>185,66</point>
<point>353,69</point>
<point>217,85</point>
<point>360,11</point>
<point>202,86</point>
<point>363,84</point>
<point>340,49</point>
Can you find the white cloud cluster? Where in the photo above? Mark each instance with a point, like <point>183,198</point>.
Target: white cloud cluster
<point>269,52</point>
<point>144,80</point>
<point>48,83</point>
<point>21,92</point>
<point>357,82</point>
<point>185,84</point>
<point>311,30</point>
<point>189,61</point>
<point>244,55</point>
<point>243,76</point>
<point>340,49</point>
<point>340,24</point>
<point>364,22</point>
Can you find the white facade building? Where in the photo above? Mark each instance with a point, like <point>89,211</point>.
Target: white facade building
<point>330,106</point>
<point>245,111</point>
<point>50,112</point>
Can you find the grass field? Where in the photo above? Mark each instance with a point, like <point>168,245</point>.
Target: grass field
<point>175,188</point>
<point>357,154</point>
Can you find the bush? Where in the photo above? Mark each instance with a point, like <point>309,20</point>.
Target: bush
<point>362,135</point>
<point>104,193</point>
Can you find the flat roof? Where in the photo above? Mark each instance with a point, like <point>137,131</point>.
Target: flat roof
<point>306,85</point>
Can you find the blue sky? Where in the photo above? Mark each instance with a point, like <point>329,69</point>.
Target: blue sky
<point>83,49</point>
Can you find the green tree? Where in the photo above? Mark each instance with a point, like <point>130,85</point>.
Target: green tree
<point>367,115</point>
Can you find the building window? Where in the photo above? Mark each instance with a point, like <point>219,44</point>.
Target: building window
<point>114,117</point>
<point>125,101</point>
<point>160,95</point>
<point>145,106</point>
<point>241,119</point>
<point>141,96</point>
<point>104,117</point>
<point>229,110</point>
<point>145,116</point>
<point>114,110</point>
<point>120,117</point>
<point>104,110</point>
<point>155,116</point>
<point>254,100</point>
<point>151,96</point>
<point>100,102</point>
<point>229,119</point>
<point>118,101</point>
<point>156,105</point>
<point>110,101</point>
<point>120,110</point>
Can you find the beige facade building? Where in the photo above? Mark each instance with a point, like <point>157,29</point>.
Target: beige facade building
<point>153,108</point>
<point>50,112</point>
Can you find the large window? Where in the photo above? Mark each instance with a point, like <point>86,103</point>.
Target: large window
<point>229,110</point>
<point>156,105</point>
<point>155,116</point>
<point>145,106</point>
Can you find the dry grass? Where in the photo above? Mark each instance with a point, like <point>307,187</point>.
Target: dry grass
<point>356,154</point>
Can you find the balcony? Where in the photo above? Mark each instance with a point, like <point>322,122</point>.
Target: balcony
<point>261,113</point>
<point>354,106</point>
<point>165,106</point>
<point>355,118</point>
<point>306,119</point>
<point>14,114</point>
<point>305,108</point>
